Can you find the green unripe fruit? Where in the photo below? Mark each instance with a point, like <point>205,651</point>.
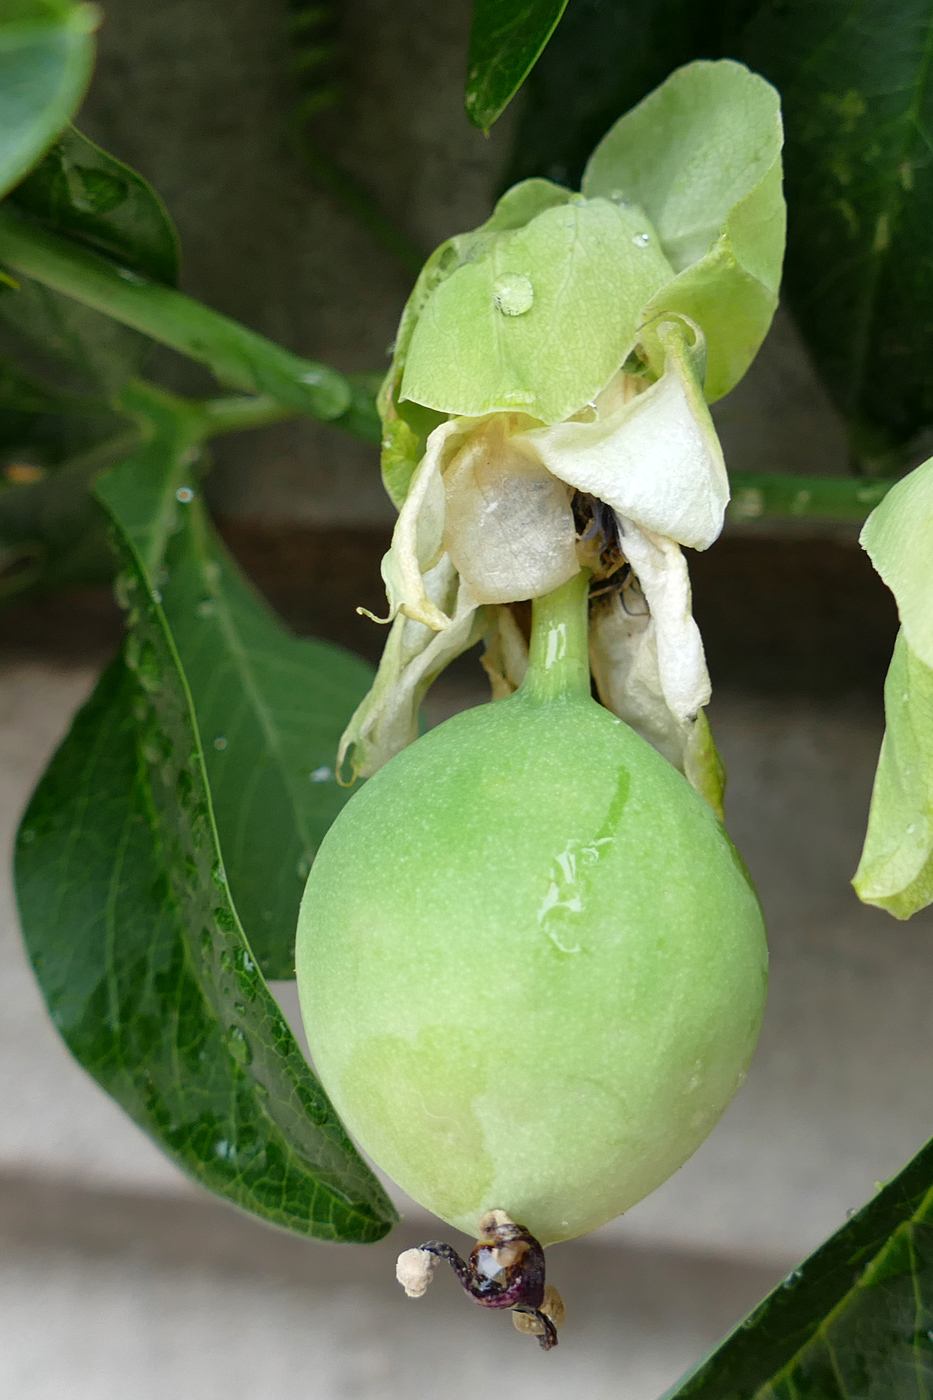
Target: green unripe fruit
<point>531,964</point>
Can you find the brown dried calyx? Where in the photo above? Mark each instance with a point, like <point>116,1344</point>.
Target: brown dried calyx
<point>505,1270</point>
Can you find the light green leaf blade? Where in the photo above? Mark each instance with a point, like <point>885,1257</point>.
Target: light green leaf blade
<point>506,38</point>
<point>542,320</point>
<point>898,537</point>
<point>896,868</point>
<point>46,58</point>
<point>701,154</point>
<point>405,424</point>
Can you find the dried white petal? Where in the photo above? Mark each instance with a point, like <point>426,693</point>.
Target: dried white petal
<point>624,660</point>
<point>415,1270</point>
<point>662,573</point>
<point>655,459</point>
<point>417,541</point>
<point>505,657</point>
<point>414,655</point>
<point>509,525</point>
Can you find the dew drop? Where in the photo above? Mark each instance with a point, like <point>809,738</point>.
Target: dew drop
<point>236,1042</point>
<point>513,294</point>
<point>912,828</point>
<point>220,743</point>
<point>129,276</point>
<point>311,376</point>
<point>185,495</point>
<point>156,595</point>
<point>206,608</point>
<point>303,868</point>
<point>618,197</point>
<point>641,240</point>
<point>321,775</point>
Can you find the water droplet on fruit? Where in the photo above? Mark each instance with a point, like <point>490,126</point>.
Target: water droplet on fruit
<point>513,294</point>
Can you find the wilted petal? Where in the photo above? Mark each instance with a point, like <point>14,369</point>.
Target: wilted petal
<point>417,541</point>
<point>509,525</point>
<point>505,655</point>
<point>625,665</point>
<point>387,719</point>
<point>656,458</point>
<point>662,572</point>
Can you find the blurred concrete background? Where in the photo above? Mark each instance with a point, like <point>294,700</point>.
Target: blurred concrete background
<point>120,1279</point>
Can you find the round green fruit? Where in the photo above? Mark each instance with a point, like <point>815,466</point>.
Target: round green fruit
<point>532,966</point>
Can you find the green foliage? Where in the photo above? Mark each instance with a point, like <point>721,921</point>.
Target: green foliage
<point>702,155</point>
<point>858,102</point>
<point>505,40</point>
<point>896,868</point>
<point>126,898</point>
<point>855,1319</point>
<point>856,94</point>
<point>681,211</point>
<point>46,56</point>
<point>270,706</point>
<point>82,192</point>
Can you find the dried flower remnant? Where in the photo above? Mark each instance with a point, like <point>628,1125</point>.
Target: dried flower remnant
<point>505,1270</point>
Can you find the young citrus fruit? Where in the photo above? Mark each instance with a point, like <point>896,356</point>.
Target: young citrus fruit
<point>532,966</point>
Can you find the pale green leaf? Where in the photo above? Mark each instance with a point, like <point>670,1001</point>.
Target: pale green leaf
<point>542,320</point>
<point>406,425</point>
<point>702,155</point>
<point>898,536</point>
<point>896,869</point>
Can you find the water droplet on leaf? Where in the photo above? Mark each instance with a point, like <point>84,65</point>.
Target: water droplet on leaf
<point>641,240</point>
<point>185,495</point>
<point>513,294</point>
<point>220,743</point>
<point>321,775</point>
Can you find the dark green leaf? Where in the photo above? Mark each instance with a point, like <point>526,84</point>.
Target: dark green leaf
<point>133,932</point>
<point>857,85</point>
<point>82,192</point>
<point>506,38</point>
<point>69,347</point>
<point>51,532</point>
<point>270,706</point>
<point>46,56</point>
<point>855,1320</point>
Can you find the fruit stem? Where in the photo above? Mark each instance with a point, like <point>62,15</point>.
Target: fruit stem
<point>559,657</point>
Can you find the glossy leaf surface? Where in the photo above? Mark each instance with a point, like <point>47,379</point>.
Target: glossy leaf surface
<point>46,56</point>
<point>505,40</point>
<point>133,932</point>
<point>270,706</point>
<point>88,195</point>
<point>856,1319</point>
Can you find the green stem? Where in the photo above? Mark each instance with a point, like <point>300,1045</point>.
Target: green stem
<point>559,654</point>
<point>775,496</point>
<point>237,356</point>
<point>238,411</point>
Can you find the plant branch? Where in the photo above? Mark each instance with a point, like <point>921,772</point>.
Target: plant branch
<point>238,357</point>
